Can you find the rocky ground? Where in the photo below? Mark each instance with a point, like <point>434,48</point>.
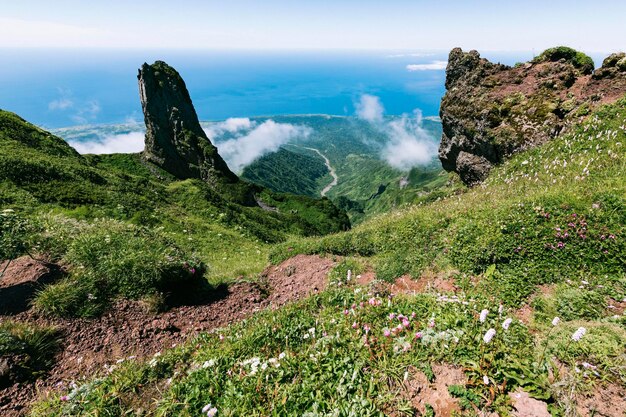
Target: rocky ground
<point>491,111</point>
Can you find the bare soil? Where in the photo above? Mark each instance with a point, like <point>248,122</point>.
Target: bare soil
<point>420,392</point>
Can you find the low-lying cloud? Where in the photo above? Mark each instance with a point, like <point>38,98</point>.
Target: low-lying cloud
<point>370,108</point>
<point>433,66</point>
<point>409,144</point>
<point>246,141</point>
<point>232,125</point>
<point>123,143</point>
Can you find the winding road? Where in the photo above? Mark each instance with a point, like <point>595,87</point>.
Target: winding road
<point>330,169</point>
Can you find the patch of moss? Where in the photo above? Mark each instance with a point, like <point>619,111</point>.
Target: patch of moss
<point>579,60</point>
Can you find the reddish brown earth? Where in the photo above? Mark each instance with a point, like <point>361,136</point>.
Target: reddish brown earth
<point>420,392</point>
<point>525,406</point>
<point>21,279</point>
<point>128,329</point>
<point>608,401</point>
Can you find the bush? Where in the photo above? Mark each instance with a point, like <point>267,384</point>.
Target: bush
<point>15,232</point>
<point>110,259</point>
<point>580,60</point>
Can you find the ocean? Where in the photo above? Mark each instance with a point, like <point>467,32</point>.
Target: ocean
<point>61,88</point>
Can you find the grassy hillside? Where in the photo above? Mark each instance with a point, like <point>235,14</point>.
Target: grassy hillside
<point>127,228</point>
<point>550,213</point>
<point>552,216</point>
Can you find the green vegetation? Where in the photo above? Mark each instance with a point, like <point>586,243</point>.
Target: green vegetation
<point>546,229</point>
<point>112,259</point>
<point>580,60</point>
<point>367,185</point>
<point>128,229</point>
<point>348,352</point>
<point>28,348</point>
<point>549,214</point>
<point>288,172</point>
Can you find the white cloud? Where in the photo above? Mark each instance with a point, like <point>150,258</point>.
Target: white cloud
<point>63,103</point>
<point>370,108</point>
<point>87,113</point>
<point>124,143</point>
<point>254,140</point>
<point>409,143</point>
<point>232,125</point>
<point>433,66</point>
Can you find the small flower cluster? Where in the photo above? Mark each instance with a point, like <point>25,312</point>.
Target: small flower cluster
<point>255,363</point>
<point>209,410</point>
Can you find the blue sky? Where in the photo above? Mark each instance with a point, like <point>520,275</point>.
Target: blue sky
<point>592,26</point>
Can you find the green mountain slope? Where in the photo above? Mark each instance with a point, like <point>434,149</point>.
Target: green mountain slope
<point>367,185</point>
<point>288,172</point>
<point>545,215</point>
<point>552,216</point>
<point>67,199</point>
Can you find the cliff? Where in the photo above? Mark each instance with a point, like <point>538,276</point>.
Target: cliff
<point>174,139</point>
<point>491,111</point>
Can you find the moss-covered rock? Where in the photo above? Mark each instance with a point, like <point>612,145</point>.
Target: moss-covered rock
<point>579,60</point>
<point>491,111</point>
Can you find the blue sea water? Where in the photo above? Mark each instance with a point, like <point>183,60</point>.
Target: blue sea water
<point>58,88</point>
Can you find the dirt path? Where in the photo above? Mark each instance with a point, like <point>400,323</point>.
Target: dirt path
<point>330,169</point>
<point>128,329</point>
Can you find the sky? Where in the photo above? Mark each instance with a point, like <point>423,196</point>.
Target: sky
<point>485,25</point>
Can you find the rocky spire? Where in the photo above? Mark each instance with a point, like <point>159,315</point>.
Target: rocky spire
<point>174,139</point>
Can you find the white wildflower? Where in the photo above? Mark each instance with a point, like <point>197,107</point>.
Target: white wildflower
<point>485,379</point>
<point>489,335</point>
<point>556,321</point>
<point>578,334</point>
<point>507,323</point>
<point>483,315</point>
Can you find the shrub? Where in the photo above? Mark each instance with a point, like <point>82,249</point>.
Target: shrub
<point>110,259</point>
<point>580,60</point>
<point>15,231</point>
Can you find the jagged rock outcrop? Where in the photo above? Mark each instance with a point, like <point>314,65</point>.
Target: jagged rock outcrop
<point>491,111</point>
<point>174,139</point>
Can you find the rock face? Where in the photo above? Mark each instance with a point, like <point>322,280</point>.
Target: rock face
<point>491,111</point>
<point>174,139</point>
